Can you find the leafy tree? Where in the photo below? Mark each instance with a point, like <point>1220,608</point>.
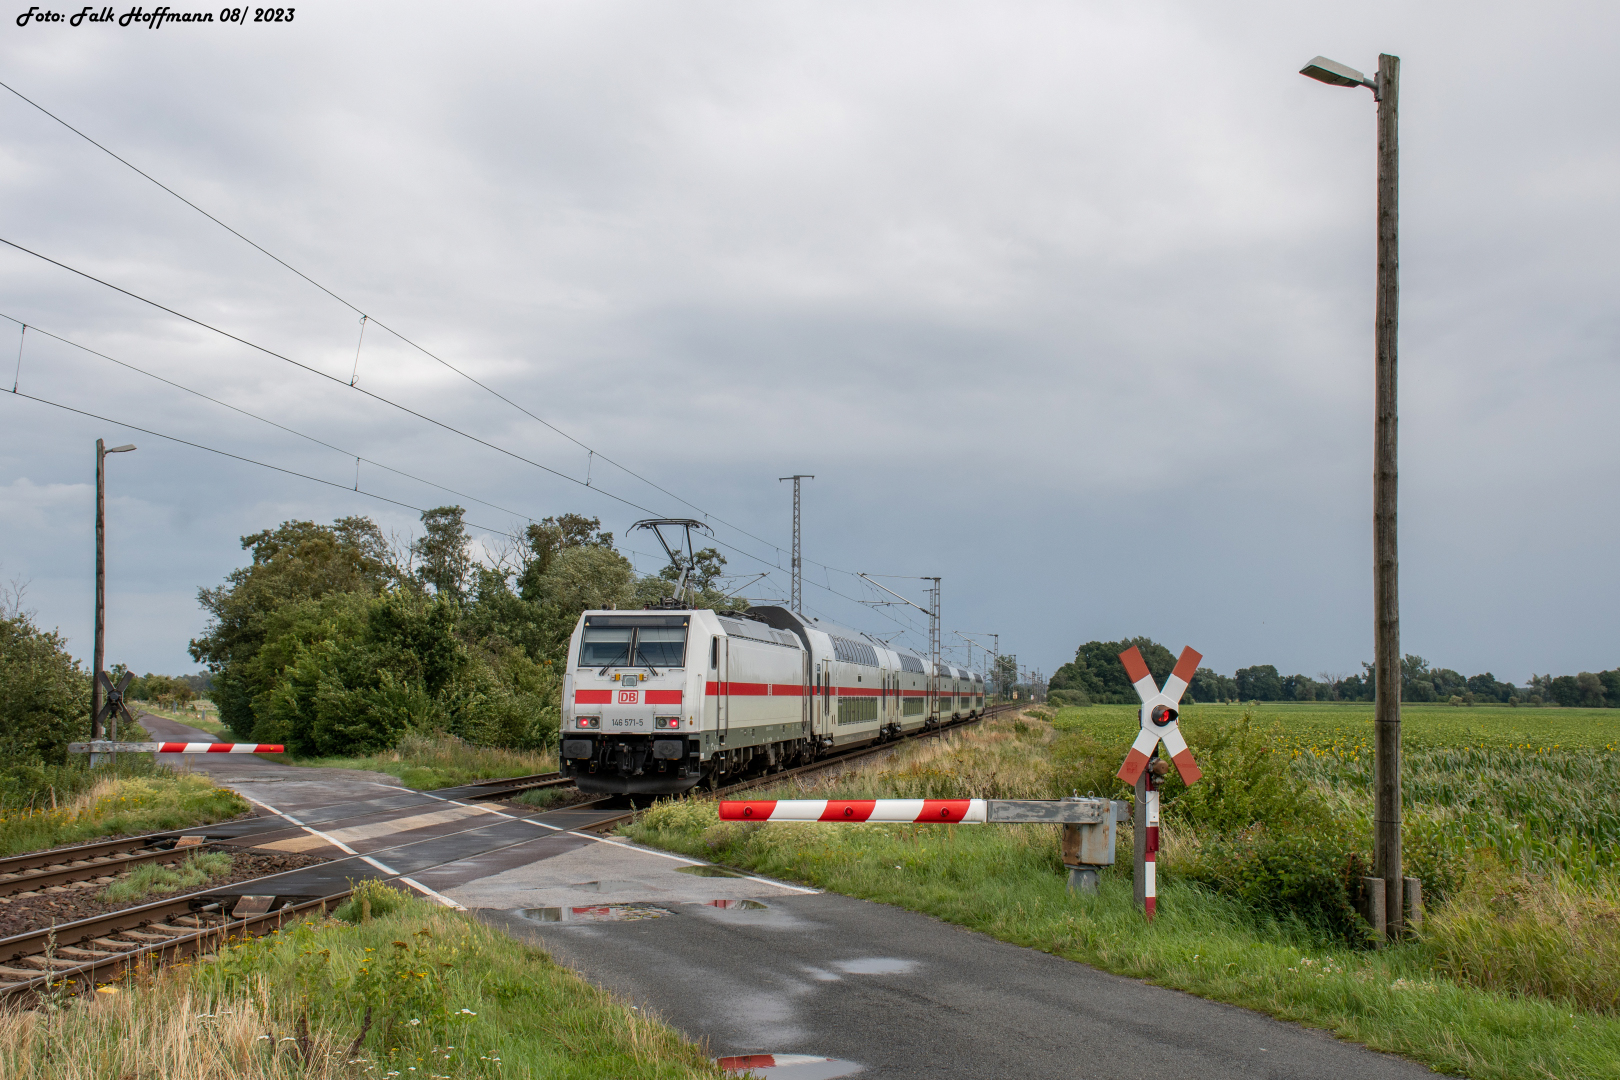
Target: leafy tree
<point>1591,689</point>
<point>1611,686</point>
<point>1207,685</point>
<point>44,695</point>
<point>444,561</point>
<point>1299,688</point>
<point>1417,682</point>
<point>295,562</point>
<point>543,541</point>
<point>707,564</point>
<point>1096,669</point>
<point>1565,691</point>
<point>1258,683</point>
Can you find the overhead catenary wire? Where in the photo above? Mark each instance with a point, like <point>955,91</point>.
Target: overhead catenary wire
<point>364,318</point>
<point>408,410</point>
<point>281,427</point>
<point>235,457</point>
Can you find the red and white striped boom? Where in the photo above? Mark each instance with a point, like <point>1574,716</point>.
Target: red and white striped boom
<point>102,746</point>
<point>925,811</point>
<point>949,811</point>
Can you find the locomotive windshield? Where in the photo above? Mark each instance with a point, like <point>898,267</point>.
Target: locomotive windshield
<point>605,645</point>
<point>661,646</point>
<point>651,641</point>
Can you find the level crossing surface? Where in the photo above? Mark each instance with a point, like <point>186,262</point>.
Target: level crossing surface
<point>746,965</point>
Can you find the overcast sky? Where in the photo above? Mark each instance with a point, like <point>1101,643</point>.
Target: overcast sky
<point>1068,303</point>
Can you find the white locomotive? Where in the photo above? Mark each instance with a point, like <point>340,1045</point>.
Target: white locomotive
<point>657,701</point>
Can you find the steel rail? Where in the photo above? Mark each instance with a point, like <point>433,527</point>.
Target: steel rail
<point>43,870</point>
<point>855,754</point>
<point>179,944</point>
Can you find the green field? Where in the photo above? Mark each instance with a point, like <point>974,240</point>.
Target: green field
<point>1539,787</point>
<point>1346,724</point>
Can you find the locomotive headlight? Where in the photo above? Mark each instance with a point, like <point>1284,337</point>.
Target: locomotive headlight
<point>589,721</point>
<point>666,722</point>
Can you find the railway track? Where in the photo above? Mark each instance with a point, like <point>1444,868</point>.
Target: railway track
<point>90,863</point>
<point>608,824</point>
<point>105,947</point>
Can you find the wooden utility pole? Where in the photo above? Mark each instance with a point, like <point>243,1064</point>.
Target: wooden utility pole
<point>101,589</point>
<point>101,585</point>
<point>1386,565</point>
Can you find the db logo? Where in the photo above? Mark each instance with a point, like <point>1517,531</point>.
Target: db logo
<point>628,697</point>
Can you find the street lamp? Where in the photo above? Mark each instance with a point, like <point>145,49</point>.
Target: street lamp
<point>1386,600</point>
<point>96,676</point>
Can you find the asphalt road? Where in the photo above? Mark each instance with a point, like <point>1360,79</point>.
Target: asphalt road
<point>906,997</point>
<point>749,966</point>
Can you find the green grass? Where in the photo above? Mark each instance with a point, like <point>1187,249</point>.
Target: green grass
<point>150,879</point>
<point>447,997</point>
<point>1461,1000</point>
<point>427,762</point>
<point>118,805</point>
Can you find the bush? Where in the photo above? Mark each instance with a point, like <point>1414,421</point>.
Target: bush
<point>1068,698</point>
<point>44,695</point>
<point>1247,781</point>
<point>1314,876</point>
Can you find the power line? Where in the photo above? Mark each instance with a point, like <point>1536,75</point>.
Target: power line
<point>412,412</point>
<point>366,317</point>
<point>235,457</point>
<point>272,423</point>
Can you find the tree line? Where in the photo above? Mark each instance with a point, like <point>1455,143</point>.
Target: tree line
<point>334,641</point>
<point>1096,675</point>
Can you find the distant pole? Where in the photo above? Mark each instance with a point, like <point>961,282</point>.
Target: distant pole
<point>101,589</point>
<point>933,643</point>
<point>101,583</point>
<point>1386,565</point>
<point>798,564</point>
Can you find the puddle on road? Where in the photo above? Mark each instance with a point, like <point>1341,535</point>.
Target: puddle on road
<point>877,965</point>
<point>735,905</point>
<point>708,871</point>
<point>596,913</point>
<point>790,1066</point>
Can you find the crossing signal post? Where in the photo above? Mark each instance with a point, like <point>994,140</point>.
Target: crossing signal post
<point>1143,766</point>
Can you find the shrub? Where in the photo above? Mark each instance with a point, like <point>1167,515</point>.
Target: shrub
<point>1313,875</point>
<point>1246,781</point>
<point>44,695</point>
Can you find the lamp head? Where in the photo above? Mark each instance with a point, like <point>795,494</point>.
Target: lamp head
<point>1335,74</point>
<point>121,449</point>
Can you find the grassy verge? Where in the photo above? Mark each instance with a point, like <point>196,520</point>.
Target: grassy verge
<point>1460,1000</point>
<point>426,762</point>
<point>118,805</point>
<point>445,997</point>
